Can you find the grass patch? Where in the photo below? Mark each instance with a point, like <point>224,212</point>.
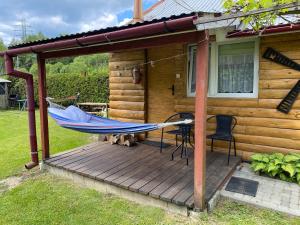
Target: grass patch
<point>14,140</point>
<point>233,213</point>
<point>49,200</point>
<point>46,199</point>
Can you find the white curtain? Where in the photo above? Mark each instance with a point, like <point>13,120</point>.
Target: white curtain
<point>236,68</point>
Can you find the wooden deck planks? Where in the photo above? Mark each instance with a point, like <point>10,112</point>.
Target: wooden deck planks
<point>127,154</point>
<point>143,169</point>
<point>156,163</point>
<point>124,173</point>
<point>114,168</point>
<point>79,155</point>
<point>72,152</point>
<point>96,160</point>
<point>182,196</point>
<point>164,175</point>
<point>162,171</point>
<point>171,181</point>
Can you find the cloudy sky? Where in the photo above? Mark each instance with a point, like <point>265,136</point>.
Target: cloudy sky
<point>55,17</point>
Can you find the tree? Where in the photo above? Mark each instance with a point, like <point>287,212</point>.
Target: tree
<point>2,48</point>
<point>2,45</point>
<point>260,20</point>
<point>26,61</point>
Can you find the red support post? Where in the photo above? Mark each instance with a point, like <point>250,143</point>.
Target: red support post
<point>43,106</point>
<point>200,120</point>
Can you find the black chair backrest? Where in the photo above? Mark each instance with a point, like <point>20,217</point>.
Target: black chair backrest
<point>225,124</point>
<point>185,128</point>
<point>181,115</point>
<point>186,115</point>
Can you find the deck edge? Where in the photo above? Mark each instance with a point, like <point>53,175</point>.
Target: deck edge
<point>107,188</point>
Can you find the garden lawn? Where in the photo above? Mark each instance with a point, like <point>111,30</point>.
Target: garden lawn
<point>45,199</point>
<point>14,141</point>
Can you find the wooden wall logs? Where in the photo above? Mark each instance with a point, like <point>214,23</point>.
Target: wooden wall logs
<point>261,128</point>
<point>127,100</point>
<point>136,106</point>
<point>128,114</point>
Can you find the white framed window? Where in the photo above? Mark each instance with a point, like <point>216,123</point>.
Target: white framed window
<point>233,69</point>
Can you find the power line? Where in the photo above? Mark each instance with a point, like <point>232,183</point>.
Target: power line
<point>187,7</point>
<point>22,29</point>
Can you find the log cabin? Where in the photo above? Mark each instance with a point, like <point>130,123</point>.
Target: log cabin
<point>170,60</point>
<point>251,95</point>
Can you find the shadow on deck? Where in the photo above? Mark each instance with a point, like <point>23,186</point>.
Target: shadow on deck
<point>142,169</point>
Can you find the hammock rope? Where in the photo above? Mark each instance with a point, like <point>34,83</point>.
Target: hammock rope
<point>74,118</point>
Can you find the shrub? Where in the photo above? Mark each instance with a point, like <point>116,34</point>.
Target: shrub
<point>284,167</point>
<point>92,88</point>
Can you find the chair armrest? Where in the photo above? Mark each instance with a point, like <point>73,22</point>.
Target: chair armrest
<point>210,118</point>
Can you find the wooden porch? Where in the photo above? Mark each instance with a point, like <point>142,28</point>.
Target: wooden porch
<point>142,169</point>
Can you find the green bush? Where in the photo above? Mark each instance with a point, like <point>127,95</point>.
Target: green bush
<point>92,88</point>
<point>284,167</point>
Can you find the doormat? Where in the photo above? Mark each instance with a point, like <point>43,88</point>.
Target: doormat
<point>242,186</point>
<point>155,143</point>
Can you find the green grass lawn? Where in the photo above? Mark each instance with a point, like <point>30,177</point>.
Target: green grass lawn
<point>14,140</point>
<point>45,199</point>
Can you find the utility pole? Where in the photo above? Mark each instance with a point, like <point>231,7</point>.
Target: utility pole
<point>22,29</point>
<point>21,32</point>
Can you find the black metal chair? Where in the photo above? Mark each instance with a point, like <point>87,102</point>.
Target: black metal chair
<point>183,130</point>
<point>225,126</point>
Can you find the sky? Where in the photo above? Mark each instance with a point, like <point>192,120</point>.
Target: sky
<point>56,17</point>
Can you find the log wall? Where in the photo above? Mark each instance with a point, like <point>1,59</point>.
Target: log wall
<point>127,100</point>
<point>261,128</point>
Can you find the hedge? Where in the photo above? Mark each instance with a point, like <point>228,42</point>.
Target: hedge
<point>92,88</point>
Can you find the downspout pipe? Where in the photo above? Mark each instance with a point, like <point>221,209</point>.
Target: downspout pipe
<point>9,66</point>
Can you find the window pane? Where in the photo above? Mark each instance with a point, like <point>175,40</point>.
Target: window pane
<point>193,72</point>
<point>236,68</point>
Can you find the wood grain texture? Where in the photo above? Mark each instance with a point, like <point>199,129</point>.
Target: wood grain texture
<point>127,100</point>
<point>261,128</point>
<point>259,123</point>
<point>143,169</point>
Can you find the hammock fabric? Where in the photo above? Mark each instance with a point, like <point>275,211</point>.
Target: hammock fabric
<point>76,119</point>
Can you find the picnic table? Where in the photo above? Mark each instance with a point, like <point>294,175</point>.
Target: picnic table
<point>97,108</point>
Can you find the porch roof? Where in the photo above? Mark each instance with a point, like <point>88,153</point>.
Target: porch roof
<point>106,30</point>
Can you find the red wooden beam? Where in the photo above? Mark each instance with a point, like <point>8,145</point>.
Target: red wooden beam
<point>124,33</point>
<point>43,107</point>
<point>190,37</point>
<point>200,120</point>
<point>282,28</point>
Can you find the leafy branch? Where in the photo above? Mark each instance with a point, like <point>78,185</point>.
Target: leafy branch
<point>261,20</point>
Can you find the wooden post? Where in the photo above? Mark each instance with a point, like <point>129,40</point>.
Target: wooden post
<point>200,120</point>
<point>43,107</point>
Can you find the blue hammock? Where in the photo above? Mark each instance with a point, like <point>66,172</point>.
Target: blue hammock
<point>76,119</point>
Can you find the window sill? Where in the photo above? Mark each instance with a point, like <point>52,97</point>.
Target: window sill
<point>233,96</point>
